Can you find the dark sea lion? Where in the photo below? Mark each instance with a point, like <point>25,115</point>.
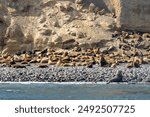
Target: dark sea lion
<point>118,78</point>
<point>103,62</point>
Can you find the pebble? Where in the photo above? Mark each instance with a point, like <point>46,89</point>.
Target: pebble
<point>73,74</point>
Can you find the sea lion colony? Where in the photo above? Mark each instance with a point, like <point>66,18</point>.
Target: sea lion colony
<point>129,47</point>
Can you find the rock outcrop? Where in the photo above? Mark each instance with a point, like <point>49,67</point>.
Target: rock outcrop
<point>133,14</point>
<point>65,24</point>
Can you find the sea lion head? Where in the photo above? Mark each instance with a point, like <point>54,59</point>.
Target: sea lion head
<point>119,73</point>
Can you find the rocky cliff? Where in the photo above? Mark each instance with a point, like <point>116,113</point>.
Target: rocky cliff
<point>65,24</point>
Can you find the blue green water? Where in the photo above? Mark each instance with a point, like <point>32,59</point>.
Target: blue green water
<point>51,91</point>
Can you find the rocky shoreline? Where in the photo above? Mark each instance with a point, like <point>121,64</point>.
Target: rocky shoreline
<point>74,41</point>
<point>74,74</point>
<point>125,60</point>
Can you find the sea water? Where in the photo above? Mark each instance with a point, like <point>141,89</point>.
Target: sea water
<point>73,91</point>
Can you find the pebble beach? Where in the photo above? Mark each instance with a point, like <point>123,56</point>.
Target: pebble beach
<point>74,74</point>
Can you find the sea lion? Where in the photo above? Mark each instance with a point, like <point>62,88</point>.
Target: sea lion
<point>103,62</point>
<point>18,66</point>
<point>42,66</point>
<point>118,78</point>
<point>89,65</point>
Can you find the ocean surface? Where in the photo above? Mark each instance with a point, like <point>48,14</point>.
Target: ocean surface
<point>72,91</point>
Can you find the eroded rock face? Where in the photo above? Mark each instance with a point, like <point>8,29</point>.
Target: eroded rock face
<point>133,14</point>
<point>36,24</point>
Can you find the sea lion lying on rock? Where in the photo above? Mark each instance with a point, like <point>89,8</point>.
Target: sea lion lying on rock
<point>118,78</point>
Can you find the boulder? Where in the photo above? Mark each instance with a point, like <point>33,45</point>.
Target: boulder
<point>133,14</point>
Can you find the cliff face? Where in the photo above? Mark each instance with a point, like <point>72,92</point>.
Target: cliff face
<point>36,24</point>
<point>133,14</point>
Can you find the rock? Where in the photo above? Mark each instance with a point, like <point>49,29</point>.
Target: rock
<point>63,6</point>
<point>42,19</point>
<point>92,17</point>
<point>80,35</point>
<point>60,6</point>
<point>78,1</point>
<point>55,24</point>
<point>46,32</point>
<point>133,9</point>
<point>92,7</point>
<point>147,80</point>
<point>107,23</point>
<point>70,43</point>
<point>72,33</point>
<point>77,49</point>
<point>14,31</point>
<point>57,39</point>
